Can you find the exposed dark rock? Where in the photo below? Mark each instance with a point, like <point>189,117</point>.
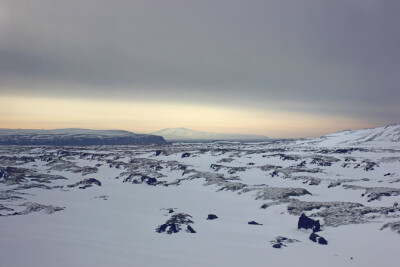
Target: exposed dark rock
<point>190,229</point>
<point>281,241</point>
<point>322,241</point>
<point>266,192</point>
<point>225,160</point>
<point>186,155</point>
<point>32,185</point>
<point>313,237</point>
<point>321,162</point>
<point>142,179</point>
<point>395,226</point>
<point>343,151</point>
<point>103,197</point>
<point>233,170</point>
<point>287,157</point>
<point>86,183</point>
<point>171,228</point>
<point>216,167</point>
<point>212,217</point>
<point>12,175</point>
<point>174,224</point>
<point>254,223</point>
<point>275,173</point>
<point>337,213</point>
<point>375,193</point>
<point>2,207</point>
<point>317,238</point>
<point>302,164</point>
<point>277,245</point>
<point>149,180</point>
<point>36,207</point>
<point>334,184</point>
<point>308,223</point>
<point>370,166</point>
<point>10,195</point>
<point>314,181</point>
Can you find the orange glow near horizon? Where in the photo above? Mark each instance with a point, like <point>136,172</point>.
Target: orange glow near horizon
<point>144,117</point>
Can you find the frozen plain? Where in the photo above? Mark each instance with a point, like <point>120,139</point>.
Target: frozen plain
<point>102,205</point>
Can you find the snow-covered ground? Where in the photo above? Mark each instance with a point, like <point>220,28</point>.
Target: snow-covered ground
<point>109,205</point>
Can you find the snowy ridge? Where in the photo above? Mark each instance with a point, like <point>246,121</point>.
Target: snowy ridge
<point>184,134</point>
<point>384,137</point>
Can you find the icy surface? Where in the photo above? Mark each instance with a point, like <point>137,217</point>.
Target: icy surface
<point>150,205</point>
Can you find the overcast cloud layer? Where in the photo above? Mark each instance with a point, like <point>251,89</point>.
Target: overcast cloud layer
<point>334,57</point>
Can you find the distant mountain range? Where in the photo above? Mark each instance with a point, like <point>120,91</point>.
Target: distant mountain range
<point>385,137</point>
<point>183,134</point>
<point>75,137</point>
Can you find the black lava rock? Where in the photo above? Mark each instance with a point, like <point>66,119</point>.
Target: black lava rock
<point>254,223</point>
<point>313,237</point>
<point>317,238</point>
<point>277,245</point>
<point>308,223</point>
<point>212,217</point>
<point>190,229</point>
<point>162,228</point>
<point>86,183</point>
<point>175,223</point>
<point>322,241</point>
<point>172,228</point>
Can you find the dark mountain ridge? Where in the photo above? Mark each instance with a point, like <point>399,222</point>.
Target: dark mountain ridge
<point>75,137</point>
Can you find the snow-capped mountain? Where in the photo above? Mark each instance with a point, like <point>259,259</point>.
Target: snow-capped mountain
<point>75,136</point>
<point>384,137</point>
<point>183,134</point>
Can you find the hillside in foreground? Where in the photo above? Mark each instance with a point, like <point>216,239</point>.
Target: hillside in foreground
<point>287,203</point>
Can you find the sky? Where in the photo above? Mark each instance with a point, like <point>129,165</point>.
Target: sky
<point>283,68</point>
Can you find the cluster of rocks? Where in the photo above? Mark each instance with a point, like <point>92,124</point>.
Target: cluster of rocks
<point>140,179</point>
<point>395,226</point>
<point>281,241</point>
<point>308,223</point>
<point>375,193</point>
<point>86,183</point>
<point>175,223</point>
<point>33,207</point>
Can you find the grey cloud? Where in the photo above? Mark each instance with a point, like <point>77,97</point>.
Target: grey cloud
<point>324,56</point>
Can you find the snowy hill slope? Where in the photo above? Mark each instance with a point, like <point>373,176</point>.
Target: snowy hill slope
<point>183,134</point>
<point>74,136</point>
<point>384,137</point>
<point>201,204</point>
